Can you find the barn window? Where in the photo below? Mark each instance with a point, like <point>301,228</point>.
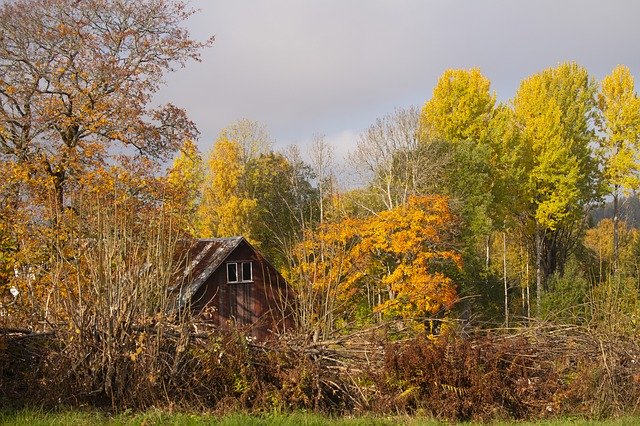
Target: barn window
<point>247,272</point>
<point>232,272</point>
<point>239,272</point>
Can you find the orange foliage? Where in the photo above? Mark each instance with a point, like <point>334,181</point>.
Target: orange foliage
<point>403,253</point>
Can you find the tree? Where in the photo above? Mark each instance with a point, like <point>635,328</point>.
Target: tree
<point>76,86</point>
<point>322,157</point>
<point>398,263</point>
<point>460,116</point>
<point>285,201</point>
<point>407,250</point>
<point>554,110</point>
<point>620,146</point>
<point>460,109</point>
<point>599,241</point>
<point>508,200</point>
<point>253,191</point>
<point>78,77</point>
<point>392,160</point>
<point>226,209</point>
<point>185,179</point>
<point>252,137</point>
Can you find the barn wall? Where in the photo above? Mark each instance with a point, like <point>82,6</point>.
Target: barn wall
<point>261,304</point>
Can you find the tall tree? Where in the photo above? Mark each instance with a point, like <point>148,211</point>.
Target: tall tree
<point>507,179</point>
<point>459,115</point>
<point>252,137</point>
<point>78,77</point>
<point>77,80</point>
<point>554,111</point>
<point>226,210</point>
<point>620,145</point>
<point>460,109</point>
<point>321,162</point>
<point>392,160</point>
<point>185,179</point>
<point>284,202</point>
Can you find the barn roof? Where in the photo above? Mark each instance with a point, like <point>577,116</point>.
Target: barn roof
<point>203,257</point>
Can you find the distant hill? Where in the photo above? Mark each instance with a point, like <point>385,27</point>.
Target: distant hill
<point>629,212</point>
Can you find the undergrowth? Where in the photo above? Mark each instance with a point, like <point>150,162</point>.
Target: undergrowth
<point>529,374</point>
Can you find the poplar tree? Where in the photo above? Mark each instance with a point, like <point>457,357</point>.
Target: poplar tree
<point>554,111</point>
<point>185,179</point>
<point>459,116</point>
<point>225,210</point>
<point>620,144</point>
<point>460,109</point>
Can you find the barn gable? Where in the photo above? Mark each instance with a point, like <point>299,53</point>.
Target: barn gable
<point>226,281</point>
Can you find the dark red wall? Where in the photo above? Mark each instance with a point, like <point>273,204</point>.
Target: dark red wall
<point>262,306</point>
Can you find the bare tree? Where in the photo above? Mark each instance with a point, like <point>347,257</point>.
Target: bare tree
<point>392,159</point>
<point>253,138</point>
<point>321,154</point>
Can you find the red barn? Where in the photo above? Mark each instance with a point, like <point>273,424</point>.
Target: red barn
<point>229,283</point>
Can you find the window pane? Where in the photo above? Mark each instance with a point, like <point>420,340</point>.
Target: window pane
<point>232,272</point>
<point>246,271</point>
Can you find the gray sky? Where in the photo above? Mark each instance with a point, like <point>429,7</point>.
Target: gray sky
<point>333,66</point>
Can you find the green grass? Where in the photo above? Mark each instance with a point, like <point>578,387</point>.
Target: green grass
<point>93,418</point>
<point>30,417</point>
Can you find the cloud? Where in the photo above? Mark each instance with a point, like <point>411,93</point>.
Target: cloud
<point>333,67</point>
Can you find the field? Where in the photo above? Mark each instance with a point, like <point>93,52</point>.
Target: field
<point>295,419</point>
<point>29,417</point>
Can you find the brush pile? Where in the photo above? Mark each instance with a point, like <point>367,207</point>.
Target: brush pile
<point>530,373</point>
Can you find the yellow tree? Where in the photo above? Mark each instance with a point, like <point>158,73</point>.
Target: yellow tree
<point>460,108</point>
<point>185,179</point>
<point>620,147</point>
<point>460,115</point>
<point>599,240</point>
<point>553,111</point>
<point>252,136</point>
<point>225,210</point>
<point>408,250</point>
<point>323,275</point>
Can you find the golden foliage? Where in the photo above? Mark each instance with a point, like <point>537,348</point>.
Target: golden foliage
<point>620,148</point>
<point>184,182</point>
<point>460,109</point>
<point>405,255</point>
<point>224,210</point>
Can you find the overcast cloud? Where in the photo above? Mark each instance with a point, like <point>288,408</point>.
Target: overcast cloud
<point>333,66</point>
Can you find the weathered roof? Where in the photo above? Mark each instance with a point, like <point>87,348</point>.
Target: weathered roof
<point>203,257</point>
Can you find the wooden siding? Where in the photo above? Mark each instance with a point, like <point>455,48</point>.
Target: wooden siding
<point>261,306</point>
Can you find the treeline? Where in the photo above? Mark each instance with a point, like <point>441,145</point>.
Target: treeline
<point>515,186</point>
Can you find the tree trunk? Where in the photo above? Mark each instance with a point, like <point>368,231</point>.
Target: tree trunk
<point>504,274</point>
<point>487,259</point>
<point>528,280</point>
<point>59,202</point>
<point>616,235</point>
<point>539,281</point>
<point>528,302</point>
